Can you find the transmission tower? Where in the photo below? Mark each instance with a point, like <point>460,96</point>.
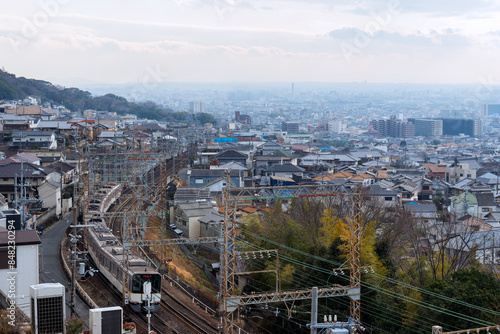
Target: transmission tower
<point>230,303</point>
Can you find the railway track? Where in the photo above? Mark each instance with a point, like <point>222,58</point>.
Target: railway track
<point>186,315</point>
<point>191,321</point>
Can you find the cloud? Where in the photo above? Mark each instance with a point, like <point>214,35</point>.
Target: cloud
<point>449,38</point>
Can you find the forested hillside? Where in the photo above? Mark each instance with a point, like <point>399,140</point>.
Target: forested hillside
<point>12,87</point>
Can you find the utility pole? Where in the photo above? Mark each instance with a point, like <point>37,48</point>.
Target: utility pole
<point>314,310</point>
<point>74,241</point>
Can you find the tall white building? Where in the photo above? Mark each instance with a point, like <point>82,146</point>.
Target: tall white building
<point>337,126</point>
<point>197,106</point>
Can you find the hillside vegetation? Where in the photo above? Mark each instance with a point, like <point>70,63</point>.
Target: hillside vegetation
<point>12,87</point>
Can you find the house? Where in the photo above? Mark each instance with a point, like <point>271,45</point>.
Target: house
<point>426,192</point>
<point>287,170</point>
<point>34,111</point>
<point>262,162</point>
<point>66,170</point>
<point>327,178</point>
<point>84,128</point>
<point>364,179</point>
<point>210,227</point>
<point>284,156</point>
<point>33,175</point>
<point>48,157</point>
<point>26,271</point>
<point>25,157</point>
<point>493,219</point>
<point>200,177</point>
<point>440,187</point>
<point>230,156</point>
<point>435,170</point>
<point>50,193</point>
<point>384,197</point>
<point>233,166</point>
<point>187,215</point>
<point>311,161</point>
<point>60,127</point>
<point>425,214</point>
<point>491,180</point>
<point>192,194</point>
<point>407,191</point>
<point>475,204</point>
<point>33,140</point>
<point>16,122</point>
<point>270,147</point>
<point>461,169</point>
<point>475,223</point>
<point>115,136</point>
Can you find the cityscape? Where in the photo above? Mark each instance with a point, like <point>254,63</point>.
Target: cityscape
<point>237,166</point>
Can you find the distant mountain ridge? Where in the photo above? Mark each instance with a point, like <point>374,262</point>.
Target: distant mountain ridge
<point>12,88</point>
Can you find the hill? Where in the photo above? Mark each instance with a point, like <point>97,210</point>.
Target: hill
<point>12,87</point>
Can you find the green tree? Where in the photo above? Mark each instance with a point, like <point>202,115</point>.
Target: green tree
<point>465,285</point>
<point>204,118</point>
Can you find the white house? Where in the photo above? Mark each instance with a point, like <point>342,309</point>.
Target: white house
<point>34,139</point>
<point>50,193</point>
<point>23,273</point>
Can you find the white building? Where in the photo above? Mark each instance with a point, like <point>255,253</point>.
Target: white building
<point>337,126</point>
<point>23,273</point>
<point>34,140</point>
<point>50,193</point>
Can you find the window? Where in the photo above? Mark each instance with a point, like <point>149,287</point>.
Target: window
<point>199,181</point>
<point>486,210</point>
<point>6,179</point>
<point>138,282</point>
<point>469,175</point>
<point>4,258</point>
<point>388,198</point>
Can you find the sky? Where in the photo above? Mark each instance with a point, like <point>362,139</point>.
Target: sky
<point>417,41</point>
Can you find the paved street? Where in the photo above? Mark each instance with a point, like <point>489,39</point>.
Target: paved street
<point>51,270</point>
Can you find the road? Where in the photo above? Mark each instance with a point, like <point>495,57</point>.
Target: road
<point>51,270</point>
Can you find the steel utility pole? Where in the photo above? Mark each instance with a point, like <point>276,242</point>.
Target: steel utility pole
<point>74,241</point>
<point>314,310</point>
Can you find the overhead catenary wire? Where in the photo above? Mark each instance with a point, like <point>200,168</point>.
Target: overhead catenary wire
<point>378,276</point>
<point>382,290</point>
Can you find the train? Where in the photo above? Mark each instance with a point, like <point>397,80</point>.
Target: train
<point>106,252</point>
<point>104,198</point>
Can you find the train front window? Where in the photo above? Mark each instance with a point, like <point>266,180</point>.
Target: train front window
<point>138,283</point>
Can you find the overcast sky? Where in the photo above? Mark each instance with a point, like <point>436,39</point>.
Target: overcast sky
<point>422,41</point>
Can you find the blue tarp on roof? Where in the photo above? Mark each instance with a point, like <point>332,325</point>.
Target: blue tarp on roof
<point>226,140</point>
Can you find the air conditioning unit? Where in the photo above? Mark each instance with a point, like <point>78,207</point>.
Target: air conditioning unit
<point>48,311</point>
<point>107,320</point>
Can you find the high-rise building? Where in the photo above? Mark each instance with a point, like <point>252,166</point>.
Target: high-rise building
<point>337,126</point>
<point>428,127</point>
<point>197,106</point>
<point>457,126</point>
<point>290,127</point>
<point>243,119</point>
<point>394,128</point>
<point>489,109</point>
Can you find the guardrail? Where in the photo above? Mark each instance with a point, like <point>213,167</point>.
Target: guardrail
<point>79,288</point>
